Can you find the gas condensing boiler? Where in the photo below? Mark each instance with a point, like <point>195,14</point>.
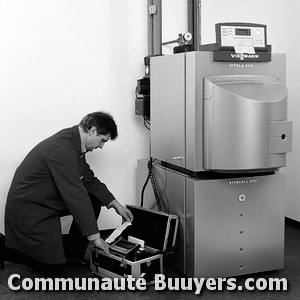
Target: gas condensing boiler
<point>219,116</point>
<point>220,134</point>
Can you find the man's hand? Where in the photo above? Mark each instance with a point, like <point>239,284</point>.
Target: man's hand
<point>101,244</point>
<point>123,211</point>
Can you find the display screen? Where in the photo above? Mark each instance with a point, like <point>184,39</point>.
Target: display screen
<point>243,31</point>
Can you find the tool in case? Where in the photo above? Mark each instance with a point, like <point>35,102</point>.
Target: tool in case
<point>140,248</point>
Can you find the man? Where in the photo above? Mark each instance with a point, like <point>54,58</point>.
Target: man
<point>54,180</point>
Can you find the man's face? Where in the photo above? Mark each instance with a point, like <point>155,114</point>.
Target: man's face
<point>95,141</point>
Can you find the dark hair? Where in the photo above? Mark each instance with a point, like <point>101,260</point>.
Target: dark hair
<point>103,122</point>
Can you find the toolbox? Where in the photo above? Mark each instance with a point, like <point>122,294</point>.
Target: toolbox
<point>139,249</point>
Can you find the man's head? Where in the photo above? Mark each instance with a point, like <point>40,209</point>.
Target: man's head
<point>98,127</point>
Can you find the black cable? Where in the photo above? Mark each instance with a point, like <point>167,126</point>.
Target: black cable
<point>165,190</point>
<point>151,175</point>
<point>154,185</point>
<point>146,123</point>
<point>146,182</point>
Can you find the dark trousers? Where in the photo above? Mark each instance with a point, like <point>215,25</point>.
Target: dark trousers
<point>75,245</point>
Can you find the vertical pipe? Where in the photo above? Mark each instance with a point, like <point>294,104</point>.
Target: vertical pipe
<point>158,28</point>
<point>154,13</point>
<point>150,28</point>
<point>194,21</point>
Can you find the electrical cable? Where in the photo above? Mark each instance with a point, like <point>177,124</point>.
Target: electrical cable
<point>146,123</point>
<point>145,184</point>
<point>152,177</point>
<point>154,185</point>
<point>165,189</point>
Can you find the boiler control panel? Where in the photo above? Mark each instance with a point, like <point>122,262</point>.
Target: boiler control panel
<point>232,35</point>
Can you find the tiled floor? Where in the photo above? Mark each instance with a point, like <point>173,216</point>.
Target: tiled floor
<point>291,272</point>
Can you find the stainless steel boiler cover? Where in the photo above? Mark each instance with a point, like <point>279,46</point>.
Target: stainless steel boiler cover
<point>239,114</point>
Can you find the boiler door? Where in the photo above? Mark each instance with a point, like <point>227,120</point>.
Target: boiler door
<point>245,123</point>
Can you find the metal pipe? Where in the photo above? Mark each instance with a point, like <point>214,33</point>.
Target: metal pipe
<point>194,21</point>
<point>154,14</point>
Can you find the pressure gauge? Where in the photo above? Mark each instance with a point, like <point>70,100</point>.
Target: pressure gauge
<point>187,36</point>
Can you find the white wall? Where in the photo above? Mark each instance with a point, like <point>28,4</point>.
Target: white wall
<point>174,22</point>
<point>61,59</point>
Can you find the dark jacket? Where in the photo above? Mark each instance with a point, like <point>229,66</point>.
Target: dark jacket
<point>52,178</point>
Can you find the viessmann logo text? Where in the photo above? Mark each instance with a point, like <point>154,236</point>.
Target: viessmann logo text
<point>243,181</point>
<point>244,55</point>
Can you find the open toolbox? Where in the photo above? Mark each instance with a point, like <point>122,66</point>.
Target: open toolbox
<point>139,250</point>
